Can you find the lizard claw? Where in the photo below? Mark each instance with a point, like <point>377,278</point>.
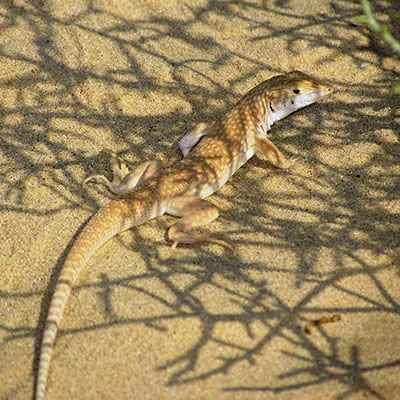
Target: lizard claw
<point>119,167</point>
<point>100,178</point>
<point>292,161</point>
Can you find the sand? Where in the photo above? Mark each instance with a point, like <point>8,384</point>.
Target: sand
<point>79,79</point>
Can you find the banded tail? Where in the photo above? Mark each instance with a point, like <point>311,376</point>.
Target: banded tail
<point>116,217</point>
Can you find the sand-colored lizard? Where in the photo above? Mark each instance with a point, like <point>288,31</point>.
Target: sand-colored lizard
<point>212,154</point>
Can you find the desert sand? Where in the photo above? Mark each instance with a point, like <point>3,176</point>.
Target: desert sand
<point>79,79</point>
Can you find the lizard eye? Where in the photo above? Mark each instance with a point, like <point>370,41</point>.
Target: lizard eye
<point>296,91</point>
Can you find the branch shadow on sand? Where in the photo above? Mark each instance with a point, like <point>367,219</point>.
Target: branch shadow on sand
<point>52,103</point>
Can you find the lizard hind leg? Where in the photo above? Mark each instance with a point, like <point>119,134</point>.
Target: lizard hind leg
<point>125,180</point>
<point>195,212</point>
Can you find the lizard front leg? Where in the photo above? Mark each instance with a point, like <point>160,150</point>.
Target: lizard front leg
<point>125,180</point>
<point>265,149</point>
<point>195,212</point>
<point>193,137</point>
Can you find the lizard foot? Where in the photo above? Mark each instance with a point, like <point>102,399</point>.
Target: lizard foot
<point>195,238</point>
<point>194,212</point>
<point>125,180</point>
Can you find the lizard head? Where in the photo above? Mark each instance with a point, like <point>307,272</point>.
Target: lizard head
<point>290,92</point>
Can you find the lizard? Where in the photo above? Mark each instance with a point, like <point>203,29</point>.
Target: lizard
<point>213,152</point>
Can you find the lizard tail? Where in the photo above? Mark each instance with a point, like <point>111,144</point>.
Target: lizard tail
<point>118,216</point>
